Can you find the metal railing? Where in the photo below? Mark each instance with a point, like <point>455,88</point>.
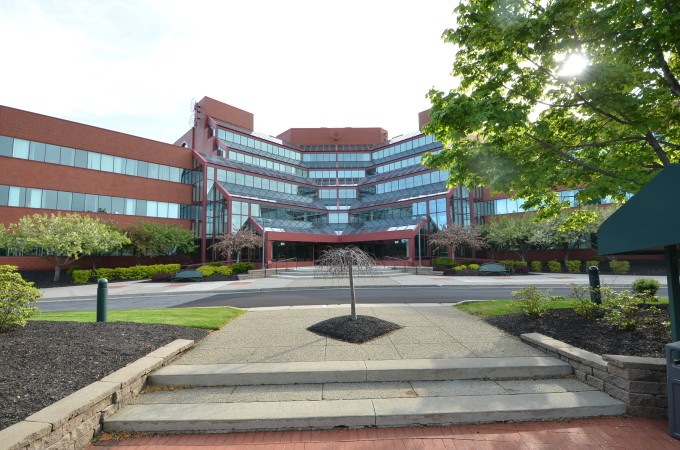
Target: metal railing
<point>285,267</point>
<point>403,262</point>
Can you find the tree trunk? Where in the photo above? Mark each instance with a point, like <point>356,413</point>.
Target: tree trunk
<point>57,273</point>
<point>352,294</point>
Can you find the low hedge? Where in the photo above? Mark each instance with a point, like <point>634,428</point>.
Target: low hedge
<point>82,276</point>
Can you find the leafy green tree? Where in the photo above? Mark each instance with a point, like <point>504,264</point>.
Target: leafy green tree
<point>524,120</point>
<point>102,239</point>
<point>16,297</point>
<point>62,239</point>
<point>157,239</point>
<point>572,229</point>
<point>227,244</point>
<point>513,233</point>
<point>455,236</point>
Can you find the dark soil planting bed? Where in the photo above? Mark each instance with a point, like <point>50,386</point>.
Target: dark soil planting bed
<point>594,335</point>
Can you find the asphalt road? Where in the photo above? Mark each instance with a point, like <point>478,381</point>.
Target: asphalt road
<point>325,296</point>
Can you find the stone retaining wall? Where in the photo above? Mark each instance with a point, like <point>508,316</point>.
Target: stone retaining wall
<point>73,421</point>
<point>638,382</point>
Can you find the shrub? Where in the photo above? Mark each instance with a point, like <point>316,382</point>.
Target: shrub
<point>619,267</point>
<point>16,296</point>
<point>208,270</point>
<point>646,287</point>
<point>537,266</point>
<point>473,266</point>
<point>532,301</point>
<point>161,276</point>
<point>509,263</point>
<point>591,263</point>
<point>621,309</point>
<point>81,276</point>
<point>573,266</point>
<point>242,267</point>
<point>444,262</point>
<point>460,268</point>
<point>554,266</point>
<point>584,305</point>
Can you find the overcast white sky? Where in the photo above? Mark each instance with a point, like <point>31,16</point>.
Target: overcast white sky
<point>135,65</point>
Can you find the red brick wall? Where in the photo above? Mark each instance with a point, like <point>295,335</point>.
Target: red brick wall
<point>332,136</point>
<point>50,130</point>
<point>212,108</point>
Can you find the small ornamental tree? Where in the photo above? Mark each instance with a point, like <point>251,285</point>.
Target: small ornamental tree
<point>227,244</point>
<point>102,239</point>
<point>341,262</point>
<point>16,297</point>
<point>454,236</point>
<point>63,239</point>
<point>512,233</point>
<point>156,239</point>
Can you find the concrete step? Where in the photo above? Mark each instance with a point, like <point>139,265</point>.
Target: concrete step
<point>219,417</point>
<point>360,371</point>
<point>314,272</point>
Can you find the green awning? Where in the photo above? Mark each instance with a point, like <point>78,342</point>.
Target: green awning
<point>649,220</point>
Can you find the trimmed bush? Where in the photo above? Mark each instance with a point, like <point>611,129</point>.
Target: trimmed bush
<point>161,276</point>
<point>646,286</point>
<point>473,266</point>
<point>573,266</point>
<point>81,276</point>
<point>537,266</point>
<point>619,267</point>
<point>591,263</point>
<point>554,266</point>
<point>460,268</point>
<point>16,297</point>
<point>242,267</point>
<point>444,261</point>
<point>209,270</point>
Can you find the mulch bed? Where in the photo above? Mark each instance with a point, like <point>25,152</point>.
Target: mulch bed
<point>364,329</point>
<point>594,335</point>
<point>45,361</point>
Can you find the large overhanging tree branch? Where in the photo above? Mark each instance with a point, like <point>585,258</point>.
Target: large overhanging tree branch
<point>605,129</point>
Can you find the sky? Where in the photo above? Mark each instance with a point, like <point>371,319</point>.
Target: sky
<point>134,66</point>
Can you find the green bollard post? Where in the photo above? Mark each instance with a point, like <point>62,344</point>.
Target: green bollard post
<point>594,278</point>
<point>102,299</point>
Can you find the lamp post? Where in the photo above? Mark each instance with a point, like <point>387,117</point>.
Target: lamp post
<point>264,234</point>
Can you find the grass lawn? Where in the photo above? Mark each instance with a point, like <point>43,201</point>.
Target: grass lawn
<point>208,318</point>
<point>500,307</point>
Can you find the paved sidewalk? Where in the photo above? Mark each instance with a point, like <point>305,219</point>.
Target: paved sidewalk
<point>607,433</point>
<point>141,288</point>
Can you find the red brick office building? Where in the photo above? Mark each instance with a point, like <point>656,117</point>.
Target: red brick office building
<point>308,188</point>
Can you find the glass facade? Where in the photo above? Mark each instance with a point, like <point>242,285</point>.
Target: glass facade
<point>74,201</point>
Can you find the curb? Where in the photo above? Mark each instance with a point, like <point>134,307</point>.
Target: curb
<point>306,288</point>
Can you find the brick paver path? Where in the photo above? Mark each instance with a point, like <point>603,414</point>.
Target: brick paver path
<point>607,433</point>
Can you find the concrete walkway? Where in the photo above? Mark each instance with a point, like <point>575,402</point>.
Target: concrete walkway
<point>141,288</point>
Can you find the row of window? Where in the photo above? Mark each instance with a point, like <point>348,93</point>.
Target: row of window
<point>414,181</point>
<point>413,161</point>
<point>241,179</point>
<point>228,136</point>
<point>404,147</point>
<point>337,193</point>
<point>73,201</point>
<point>38,151</point>
<point>253,160</point>
<point>336,156</point>
<point>331,174</point>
